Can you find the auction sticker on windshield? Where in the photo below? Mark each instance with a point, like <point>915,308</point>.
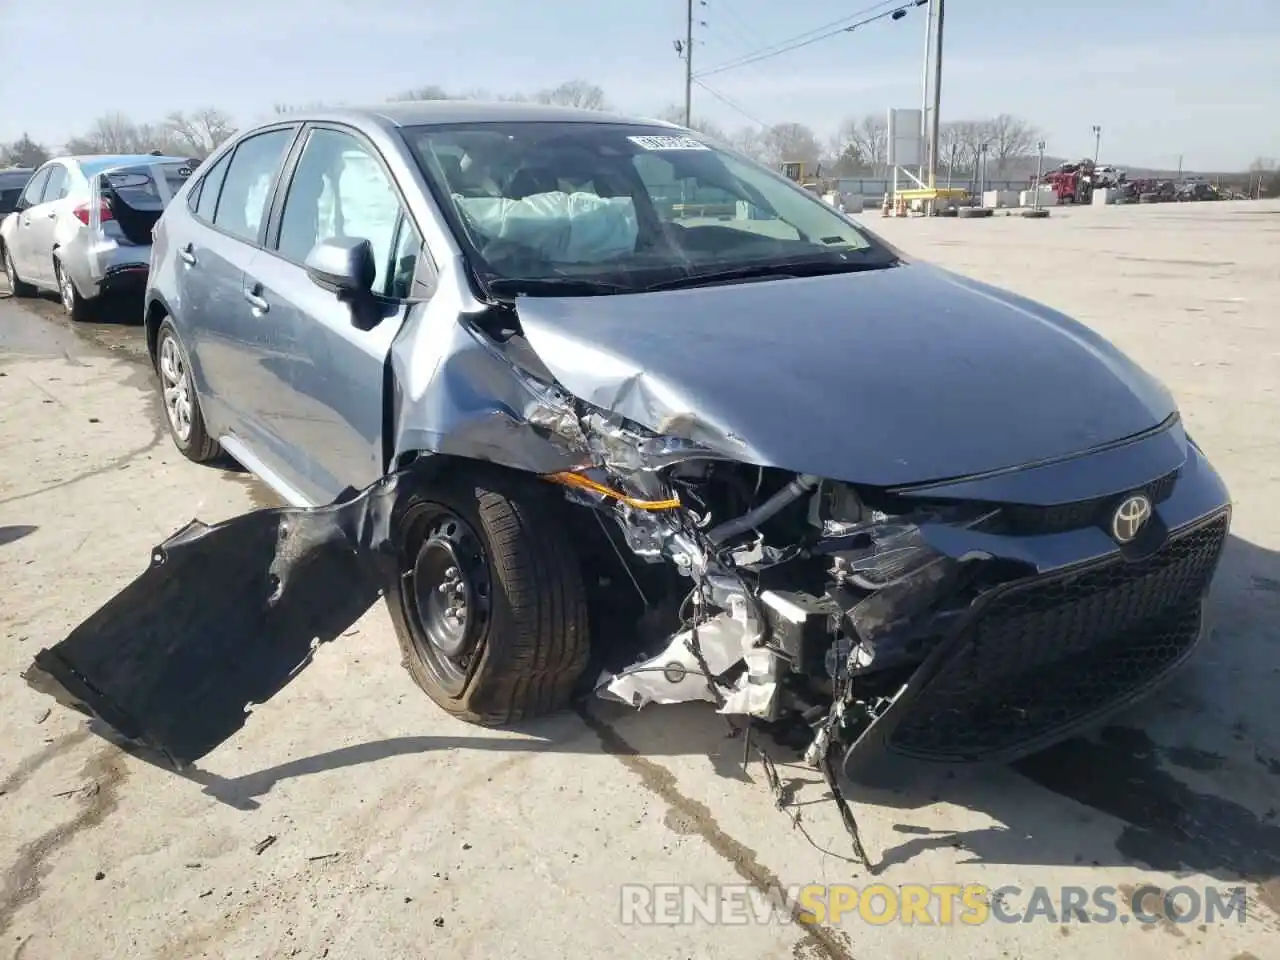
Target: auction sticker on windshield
<point>668,143</point>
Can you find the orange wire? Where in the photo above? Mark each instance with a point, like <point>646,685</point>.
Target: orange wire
<point>570,479</point>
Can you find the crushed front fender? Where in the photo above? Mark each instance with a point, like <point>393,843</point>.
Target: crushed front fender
<point>224,617</point>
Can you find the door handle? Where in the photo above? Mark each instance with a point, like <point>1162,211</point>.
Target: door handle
<point>259,305</point>
<point>188,257</point>
<point>26,221</point>
<point>51,214</point>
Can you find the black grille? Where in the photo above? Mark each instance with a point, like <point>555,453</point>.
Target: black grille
<point>1031,521</point>
<point>1046,654</point>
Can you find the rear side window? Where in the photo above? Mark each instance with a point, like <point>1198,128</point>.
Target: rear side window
<point>204,198</point>
<point>246,188</point>
<point>57,186</point>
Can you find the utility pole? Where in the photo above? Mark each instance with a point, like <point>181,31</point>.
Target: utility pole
<point>937,97</point>
<point>924,90</point>
<point>688,63</point>
<point>1097,143</point>
<point>1039,174</point>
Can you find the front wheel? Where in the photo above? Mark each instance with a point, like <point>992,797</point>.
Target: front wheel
<point>77,307</point>
<point>17,287</point>
<point>488,603</point>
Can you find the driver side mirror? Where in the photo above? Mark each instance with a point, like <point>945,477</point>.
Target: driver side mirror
<point>343,266</point>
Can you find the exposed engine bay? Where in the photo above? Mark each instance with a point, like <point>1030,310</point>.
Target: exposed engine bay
<point>794,596</point>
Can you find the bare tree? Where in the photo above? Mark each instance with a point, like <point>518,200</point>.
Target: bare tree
<point>200,132</point>
<point>23,152</point>
<point>784,142</point>
<point>284,109</point>
<point>1010,138</point>
<point>870,138</point>
<point>429,92</point>
<point>749,140</point>
<point>574,93</point>
<point>674,113</point>
<point>847,160</point>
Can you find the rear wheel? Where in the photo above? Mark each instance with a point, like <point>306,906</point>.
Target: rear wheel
<point>178,394</point>
<point>488,603</point>
<point>17,287</point>
<point>77,307</point>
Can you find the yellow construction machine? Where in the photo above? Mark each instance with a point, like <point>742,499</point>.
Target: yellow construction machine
<point>808,175</point>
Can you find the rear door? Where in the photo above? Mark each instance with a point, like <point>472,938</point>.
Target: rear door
<point>20,241</point>
<point>331,419</point>
<point>232,344</point>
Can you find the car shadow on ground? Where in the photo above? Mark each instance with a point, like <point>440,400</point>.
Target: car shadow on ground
<point>16,532</point>
<point>1208,807</point>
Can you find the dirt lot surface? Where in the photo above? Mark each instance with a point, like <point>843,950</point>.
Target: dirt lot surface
<point>396,832</point>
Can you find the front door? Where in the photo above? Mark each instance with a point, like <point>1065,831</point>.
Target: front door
<point>333,360</point>
<point>21,241</point>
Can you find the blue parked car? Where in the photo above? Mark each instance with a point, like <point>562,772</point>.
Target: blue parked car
<point>575,435</point>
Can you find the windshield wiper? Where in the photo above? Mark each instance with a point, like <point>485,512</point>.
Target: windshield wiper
<point>779,270</point>
<point>554,286</point>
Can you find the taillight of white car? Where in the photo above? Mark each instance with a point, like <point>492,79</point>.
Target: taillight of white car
<point>83,211</point>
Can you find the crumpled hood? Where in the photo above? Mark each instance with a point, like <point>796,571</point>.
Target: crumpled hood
<point>886,377</point>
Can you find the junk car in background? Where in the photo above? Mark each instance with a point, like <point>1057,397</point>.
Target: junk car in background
<point>82,226</point>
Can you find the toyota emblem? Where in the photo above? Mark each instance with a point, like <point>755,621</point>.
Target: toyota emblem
<point>1130,517</point>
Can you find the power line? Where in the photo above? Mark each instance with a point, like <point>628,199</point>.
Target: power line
<point>897,13</point>
<point>730,103</point>
<point>738,25</point>
<point>765,48</point>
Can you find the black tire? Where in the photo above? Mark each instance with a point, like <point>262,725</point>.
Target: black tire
<point>17,287</point>
<point>1035,214</point>
<point>970,213</point>
<point>197,445</point>
<point>524,639</point>
<point>78,309</point>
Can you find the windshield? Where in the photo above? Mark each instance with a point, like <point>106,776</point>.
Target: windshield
<point>619,207</point>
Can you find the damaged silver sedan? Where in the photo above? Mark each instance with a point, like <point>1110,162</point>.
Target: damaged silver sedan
<point>602,407</point>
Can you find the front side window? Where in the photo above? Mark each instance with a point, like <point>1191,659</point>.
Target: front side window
<point>246,188</point>
<point>340,190</point>
<point>630,206</point>
<point>31,195</point>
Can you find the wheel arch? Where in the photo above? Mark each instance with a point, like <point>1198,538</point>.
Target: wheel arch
<point>154,314</point>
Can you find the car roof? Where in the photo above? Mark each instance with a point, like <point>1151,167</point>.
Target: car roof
<point>412,113</point>
<point>96,163</point>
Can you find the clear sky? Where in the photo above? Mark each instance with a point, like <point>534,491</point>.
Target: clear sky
<point>1162,77</point>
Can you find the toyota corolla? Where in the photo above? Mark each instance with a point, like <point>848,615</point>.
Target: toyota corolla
<point>603,407</point>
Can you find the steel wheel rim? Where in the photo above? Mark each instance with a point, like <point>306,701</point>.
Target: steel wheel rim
<point>68,291</point>
<point>176,383</point>
<point>447,593</point>
<point>10,272</point>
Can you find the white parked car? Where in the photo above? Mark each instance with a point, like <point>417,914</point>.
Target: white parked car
<point>82,227</point>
